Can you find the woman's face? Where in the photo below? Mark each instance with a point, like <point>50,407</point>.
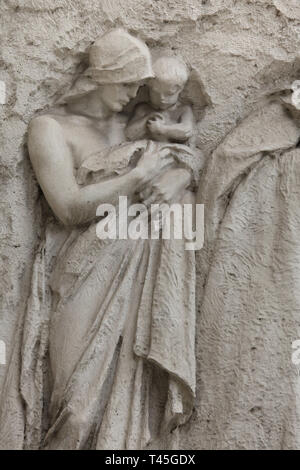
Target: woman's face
<point>117,96</point>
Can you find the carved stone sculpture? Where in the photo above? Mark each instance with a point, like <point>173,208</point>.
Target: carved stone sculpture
<point>108,360</point>
<point>249,287</point>
<point>241,63</point>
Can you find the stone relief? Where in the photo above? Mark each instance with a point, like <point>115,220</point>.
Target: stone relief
<point>107,357</point>
<point>249,282</point>
<point>108,353</point>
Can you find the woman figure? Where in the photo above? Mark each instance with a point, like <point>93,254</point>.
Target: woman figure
<point>250,304</point>
<point>108,348</point>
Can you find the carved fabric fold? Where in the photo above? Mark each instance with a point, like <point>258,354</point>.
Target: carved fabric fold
<point>116,332</point>
<point>249,396</point>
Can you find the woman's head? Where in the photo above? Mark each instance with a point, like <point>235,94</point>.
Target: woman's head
<point>119,57</point>
<point>119,63</point>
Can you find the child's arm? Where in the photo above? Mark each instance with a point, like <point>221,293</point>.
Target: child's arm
<point>177,132</point>
<point>184,129</point>
<point>137,126</point>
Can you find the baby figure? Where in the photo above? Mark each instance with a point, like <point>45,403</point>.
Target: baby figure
<point>165,118</point>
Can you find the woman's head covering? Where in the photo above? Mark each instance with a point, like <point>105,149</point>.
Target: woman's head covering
<point>118,57</point>
<point>115,57</point>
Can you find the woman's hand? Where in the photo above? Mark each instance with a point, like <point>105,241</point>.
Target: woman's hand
<point>151,162</point>
<point>167,188</point>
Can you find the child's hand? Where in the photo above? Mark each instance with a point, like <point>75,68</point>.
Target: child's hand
<point>156,125</point>
<point>156,115</point>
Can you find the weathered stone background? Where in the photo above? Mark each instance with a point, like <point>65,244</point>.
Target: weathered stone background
<point>240,50</point>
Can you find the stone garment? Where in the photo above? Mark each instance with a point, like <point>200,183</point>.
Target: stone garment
<point>249,294</point>
<point>108,349</point>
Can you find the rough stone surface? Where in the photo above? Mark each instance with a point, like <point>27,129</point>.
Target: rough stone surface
<point>240,50</point>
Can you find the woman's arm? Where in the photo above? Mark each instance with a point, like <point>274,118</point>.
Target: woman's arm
<point>53,164</point>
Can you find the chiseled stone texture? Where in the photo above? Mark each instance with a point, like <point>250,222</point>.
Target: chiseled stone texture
<point>240,51</point>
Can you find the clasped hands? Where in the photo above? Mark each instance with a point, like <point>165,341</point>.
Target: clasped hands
<point>159,130</point>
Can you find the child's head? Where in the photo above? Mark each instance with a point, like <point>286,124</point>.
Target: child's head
<point>171,76</point>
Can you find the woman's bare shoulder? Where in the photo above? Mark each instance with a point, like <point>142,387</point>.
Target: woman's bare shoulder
<point>55,123</point>
<point>43,123</point>
<point>58,115</point>
<point>44,134</point>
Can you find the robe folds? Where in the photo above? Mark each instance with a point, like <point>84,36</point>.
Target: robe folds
<point>249,289</point>
<point>107,354</point>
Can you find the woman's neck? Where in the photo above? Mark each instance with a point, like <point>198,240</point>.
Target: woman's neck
<point>90,105</point>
